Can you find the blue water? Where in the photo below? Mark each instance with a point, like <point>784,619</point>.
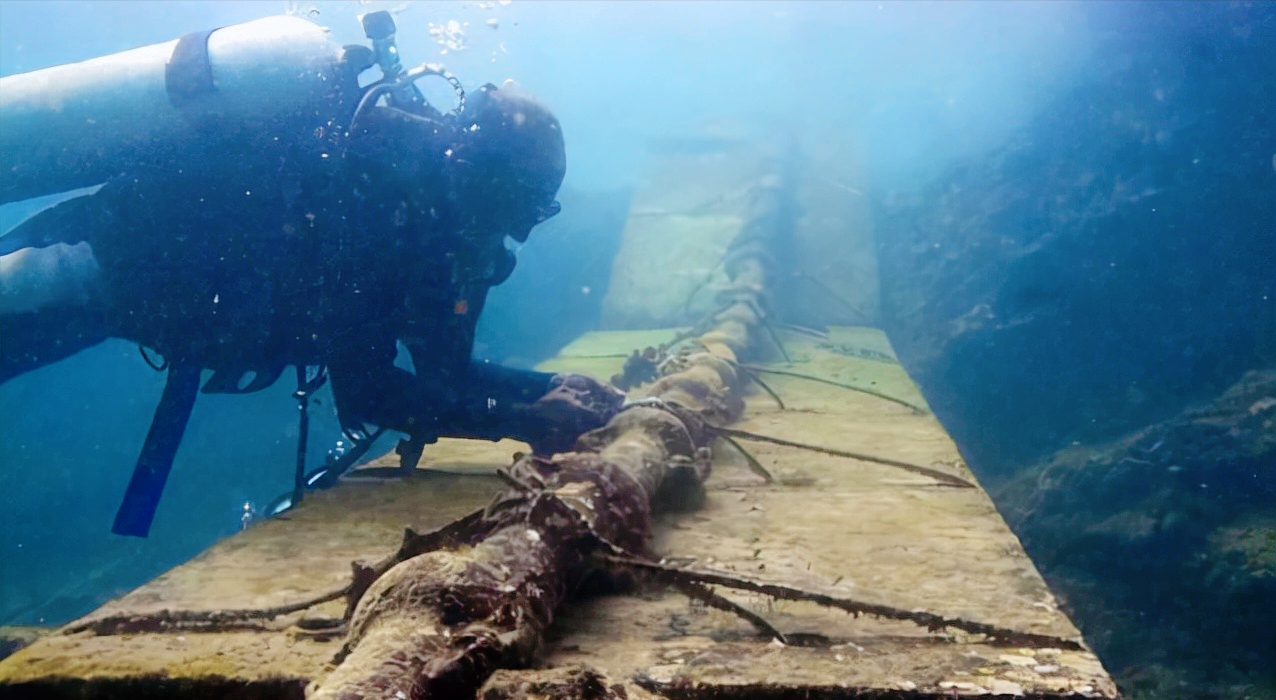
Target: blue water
<point>960,112</point>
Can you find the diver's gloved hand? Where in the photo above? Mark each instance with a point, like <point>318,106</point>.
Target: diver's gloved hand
<point>575,404</point>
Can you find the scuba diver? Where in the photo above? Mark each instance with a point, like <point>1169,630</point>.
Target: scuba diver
<point>318,232</point>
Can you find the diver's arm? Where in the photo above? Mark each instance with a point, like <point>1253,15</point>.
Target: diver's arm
<point>451,395</point>
<point>485,400</point>
<point>472,398</point>
<point>368,388</point>
<point>447,397</point>
<point>491,402</point>
<point>548,411</point>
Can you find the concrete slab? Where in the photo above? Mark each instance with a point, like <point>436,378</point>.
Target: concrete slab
<point>829,524</point>
<point>686,209</point>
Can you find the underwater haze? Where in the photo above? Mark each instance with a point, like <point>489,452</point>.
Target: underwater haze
<point>1074,211</point>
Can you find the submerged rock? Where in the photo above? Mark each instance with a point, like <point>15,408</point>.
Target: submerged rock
<point>1167,534</point>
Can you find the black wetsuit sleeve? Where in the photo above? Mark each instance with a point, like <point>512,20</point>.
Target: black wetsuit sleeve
<point>486,401</point>
<point>475,399</point>
<point>369,389</point>
<point>448,395</point>
<point>492,402</point>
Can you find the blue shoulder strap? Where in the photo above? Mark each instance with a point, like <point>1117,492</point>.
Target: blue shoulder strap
<point>137,510</point>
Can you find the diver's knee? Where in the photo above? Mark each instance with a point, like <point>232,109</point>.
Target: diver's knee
<point>31,340</point>
<point>61,274</point>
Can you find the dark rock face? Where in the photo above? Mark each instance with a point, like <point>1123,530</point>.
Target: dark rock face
<point>1068,303</point>
<point>1112,263</point>
<point>1164,543</point>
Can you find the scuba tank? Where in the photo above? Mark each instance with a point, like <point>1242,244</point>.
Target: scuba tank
<point>79,124</point>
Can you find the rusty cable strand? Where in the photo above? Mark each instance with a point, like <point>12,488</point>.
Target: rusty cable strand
<point>931,621</point>
<point>692,584</point>
<point>198,620</point>
<point>702,593</point>
<point>466,529</point>
<point>830,382</point>
<point>868,321</point>
<point>692,589</point>
<point>775,338</point>
<point>754,465</point>
<point>414,544</point>
<point>943,477</point>
<point>753,376</point>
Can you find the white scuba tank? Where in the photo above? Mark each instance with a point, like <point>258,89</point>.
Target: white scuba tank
<point>77,125</point>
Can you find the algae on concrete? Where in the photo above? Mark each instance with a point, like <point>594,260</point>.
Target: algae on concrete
<point>829,524</point>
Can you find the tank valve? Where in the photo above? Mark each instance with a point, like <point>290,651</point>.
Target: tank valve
<point>379,27</point>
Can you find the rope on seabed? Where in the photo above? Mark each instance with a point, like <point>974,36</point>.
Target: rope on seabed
<point>943,477</point>
<point>754,465</point>
<point>931,621</point>
<point>830,382</point>
<point>753,376</point>
<point>414,544</point>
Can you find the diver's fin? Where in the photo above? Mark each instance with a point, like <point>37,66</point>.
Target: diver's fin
<point>137,510</point>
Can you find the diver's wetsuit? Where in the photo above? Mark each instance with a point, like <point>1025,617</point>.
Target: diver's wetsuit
<point>245,270</point>
<point>320,235</point>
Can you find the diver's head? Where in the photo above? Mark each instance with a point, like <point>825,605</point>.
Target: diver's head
<point>507,163</point>
<point>474,178</point>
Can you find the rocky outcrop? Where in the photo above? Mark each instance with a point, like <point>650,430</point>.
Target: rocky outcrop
<point>1112,263</point>
<point>1168,534</point>
<point>1093,298</point>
